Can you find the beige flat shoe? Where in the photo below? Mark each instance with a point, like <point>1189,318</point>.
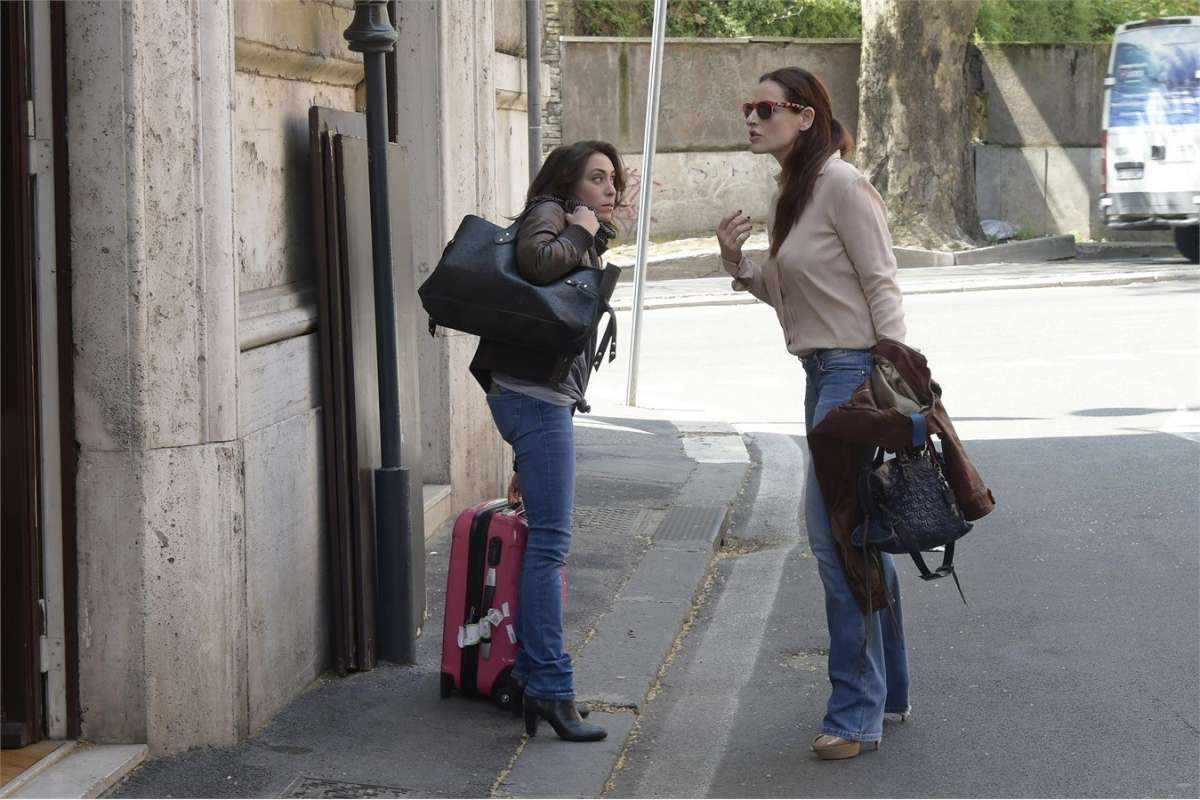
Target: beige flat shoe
<point>832,748</point>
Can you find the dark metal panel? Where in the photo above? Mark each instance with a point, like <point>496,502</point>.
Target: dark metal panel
<point>393,89</point>
<point>21,697</point>
<point>331,304</point>
<point>341,222</point>
<point>362,382</point>
<point>66,363</point>
<point>353,160</point>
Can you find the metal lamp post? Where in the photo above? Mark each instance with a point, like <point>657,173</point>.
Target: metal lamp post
<point>533,92</point>
<point>371,33</point>
<point>658,37</point>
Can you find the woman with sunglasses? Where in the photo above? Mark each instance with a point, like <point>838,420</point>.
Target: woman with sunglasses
<point>830,275</point>
<point>566,224</point>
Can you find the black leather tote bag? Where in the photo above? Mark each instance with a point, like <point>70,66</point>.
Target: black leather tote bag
<point>476,288</point>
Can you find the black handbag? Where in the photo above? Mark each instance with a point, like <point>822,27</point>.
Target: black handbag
<point>909,507</point>
<point>476,288</point>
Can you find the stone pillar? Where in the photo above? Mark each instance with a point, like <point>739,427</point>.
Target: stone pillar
<point>552,58</point>
<point>448,127</point>
<point>161,554</point>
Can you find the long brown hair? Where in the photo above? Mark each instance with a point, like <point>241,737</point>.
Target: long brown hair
<point>565,165</point>
<point>810,149</point>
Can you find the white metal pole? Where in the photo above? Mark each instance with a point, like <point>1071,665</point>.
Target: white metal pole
<point>648,145</point>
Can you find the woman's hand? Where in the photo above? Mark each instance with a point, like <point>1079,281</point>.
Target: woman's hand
<point>732,232</point>
<point>514,490</point>
<point>584,217</point>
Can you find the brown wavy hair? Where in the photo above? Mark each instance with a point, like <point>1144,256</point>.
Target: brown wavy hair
<point>564,167</point>
<point>810,149</point>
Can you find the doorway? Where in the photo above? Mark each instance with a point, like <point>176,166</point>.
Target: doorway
<point>38,682</point>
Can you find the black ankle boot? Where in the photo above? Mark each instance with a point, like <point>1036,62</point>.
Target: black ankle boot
<point>564,717</point>
<point>519,698</point>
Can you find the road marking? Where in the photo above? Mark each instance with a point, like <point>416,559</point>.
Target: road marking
<point>712,442</point>
<point>1184,422</point>
<point>583,422</point>
<point>708,449</point>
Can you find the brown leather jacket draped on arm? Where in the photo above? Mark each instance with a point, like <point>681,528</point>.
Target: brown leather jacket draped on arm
<point>838,446</point>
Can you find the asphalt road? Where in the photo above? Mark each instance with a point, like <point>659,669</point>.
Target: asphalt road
<point>1074,672</point>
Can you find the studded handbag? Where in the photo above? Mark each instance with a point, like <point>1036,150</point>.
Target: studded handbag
<point>909,507</point>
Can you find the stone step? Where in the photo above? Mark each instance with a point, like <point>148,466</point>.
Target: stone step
<point>87,770</point>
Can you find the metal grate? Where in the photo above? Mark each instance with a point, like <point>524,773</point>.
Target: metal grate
<point>305,786</point>
<point>691,524</point>
<point>609,519</point>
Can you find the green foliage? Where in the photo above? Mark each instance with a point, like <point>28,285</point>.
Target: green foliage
<point>611,17</point>
<point>806,19</point>
<point>999,20</point>
<point>1069,20</point>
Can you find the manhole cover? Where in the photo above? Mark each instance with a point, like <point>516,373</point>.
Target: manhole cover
<point>608,519</point>
<point>319,787</point>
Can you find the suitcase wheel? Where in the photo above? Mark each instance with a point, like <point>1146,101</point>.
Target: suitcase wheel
<point>505,696</point>
<point>505,693</point>
<point>447,684</point>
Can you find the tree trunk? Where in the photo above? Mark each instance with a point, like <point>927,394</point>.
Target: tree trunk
<point>914,118</point>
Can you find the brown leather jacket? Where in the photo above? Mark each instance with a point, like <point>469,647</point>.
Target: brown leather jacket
<point>838,445</point>
<point>548,249</point>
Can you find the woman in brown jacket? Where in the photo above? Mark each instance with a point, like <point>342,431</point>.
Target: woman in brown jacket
<point>532,396</point>
<point>830,275</point>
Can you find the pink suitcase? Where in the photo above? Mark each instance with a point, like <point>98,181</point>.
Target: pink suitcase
<point>479,639</point>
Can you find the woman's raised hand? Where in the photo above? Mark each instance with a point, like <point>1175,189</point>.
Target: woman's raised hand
<point>732,232</point>
<point>584,217</point>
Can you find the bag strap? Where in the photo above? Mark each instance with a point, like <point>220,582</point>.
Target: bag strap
<point>947,568</point>
<point>608,341</point>
<point>920,434</point>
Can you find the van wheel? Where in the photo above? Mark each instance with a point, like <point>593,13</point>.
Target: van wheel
<point>1187,239</point>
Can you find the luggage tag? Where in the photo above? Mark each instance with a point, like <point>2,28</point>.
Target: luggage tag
<point>493,618</point>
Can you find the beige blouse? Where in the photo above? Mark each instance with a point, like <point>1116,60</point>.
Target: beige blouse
<point>833,282</point>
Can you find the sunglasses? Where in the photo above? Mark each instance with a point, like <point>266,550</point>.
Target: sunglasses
<point>765,108</point>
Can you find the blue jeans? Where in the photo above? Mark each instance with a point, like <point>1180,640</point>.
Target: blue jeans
<point>543,439</point>
<point>868,664</point>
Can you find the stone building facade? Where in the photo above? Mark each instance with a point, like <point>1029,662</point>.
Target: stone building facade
<point>199,525</point>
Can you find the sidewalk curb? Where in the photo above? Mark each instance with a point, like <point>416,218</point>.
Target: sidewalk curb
<point>698,257</point>
<point>621,663</point>
<point>1045,248</point>
<point>730,298</point>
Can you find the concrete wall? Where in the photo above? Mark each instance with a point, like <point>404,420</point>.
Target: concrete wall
<point>692,191</point>
<point>1035,94</point>
<point>704,83</point>
<point>204,585</point>
<point>1038,165</point>
<point>1044,95</point>
<point>509,21</point>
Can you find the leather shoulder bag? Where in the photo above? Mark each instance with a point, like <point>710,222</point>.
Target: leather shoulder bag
<point>476,288</point>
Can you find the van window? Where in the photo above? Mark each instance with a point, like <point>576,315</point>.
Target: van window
<point>1154,71</point>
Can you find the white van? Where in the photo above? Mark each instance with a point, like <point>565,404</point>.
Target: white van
<point>1151,138</point>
